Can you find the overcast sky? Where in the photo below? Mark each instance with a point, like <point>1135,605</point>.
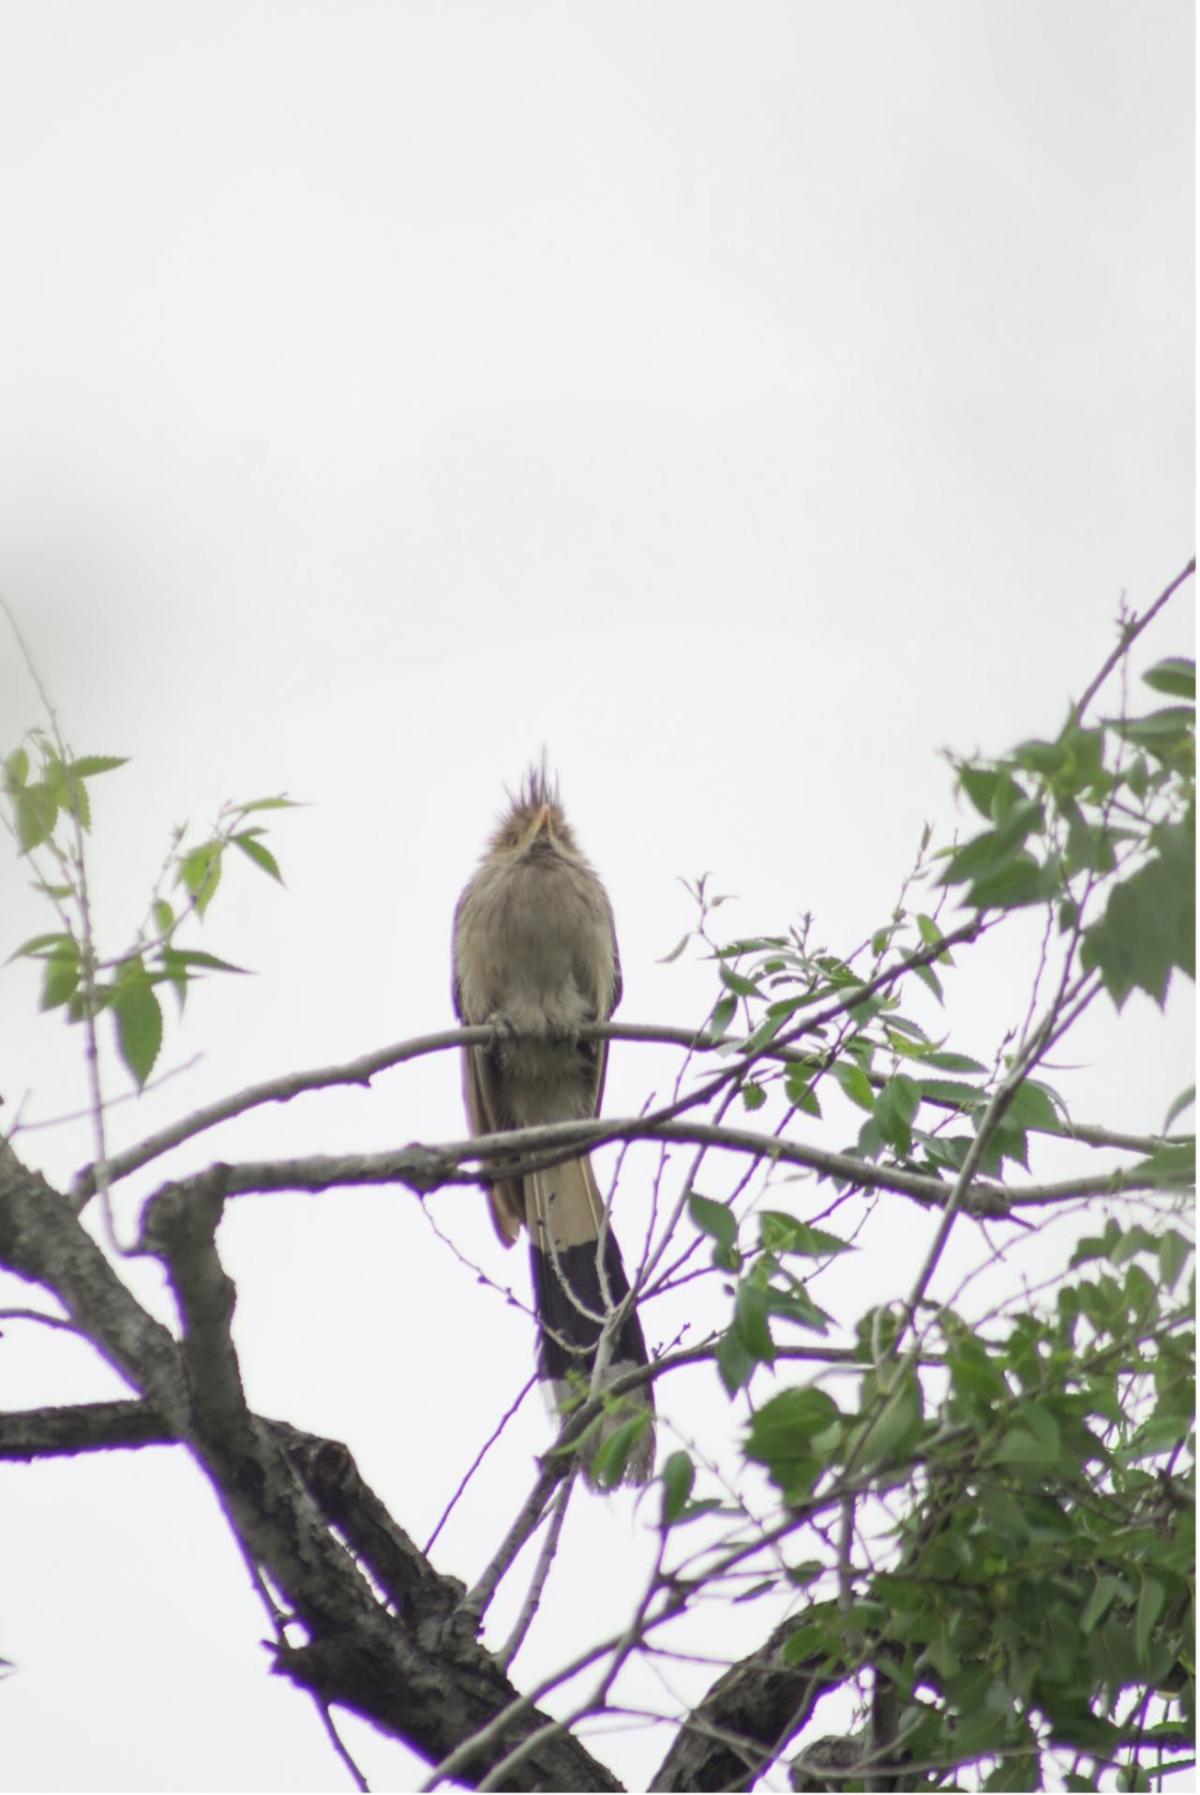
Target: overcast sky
<point>747,402</point>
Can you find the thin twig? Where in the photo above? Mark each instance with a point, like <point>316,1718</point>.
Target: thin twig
<point>546,1556</point>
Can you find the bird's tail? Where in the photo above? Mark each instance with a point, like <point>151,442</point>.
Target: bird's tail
<point>578,1282</point>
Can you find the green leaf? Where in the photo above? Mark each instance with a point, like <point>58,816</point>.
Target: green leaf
<point>34,948</point>
<point>734,1363</point>
<point>750,1321</point>
<point>179,959</point>
<point>718,1221</point>
<point>809,1640</point>
<point>797,1083</point>
<point>722,1016</point>
<point>1151,1598</point>
<point>279,803</point>
<point>793,1303</point>
<point>930,933</point>
<point>737,982</point>
<point>608,1464</point>
<point>16,766</point>
<point>261,856</point>
<point>781,1233</point>
<point>1172,1163</point>
<point>992,790</point>
<point>36,810</point>
<point>200,872</point>
<point>139,1023</point>
<point>952,1092</point>
<point>855,1084</point>
<point>894,1109</point>
<point>678,1477</point>
<point>782,1433</point>
<point>60,977</point>
<point>1174,1252</point>
<point>1185,1100</point>
<point>753,1096</point>
<point>974,1374</point>
<point>675,951</point>
<point>953,1062</point>
<point>1021,880</point>
<point>930,980</point>
<point>1033,1106</point>
<point>1103,1595</point>
<point>1149,926</point>
<point>1176,676</point>
<point>88,765</point>
<point>883,1433</point>
<point>164,916</point>
<point>1166,734</point>
<point>988,853</point>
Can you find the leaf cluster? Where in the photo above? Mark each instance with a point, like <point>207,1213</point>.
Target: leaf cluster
<point>50,809</point>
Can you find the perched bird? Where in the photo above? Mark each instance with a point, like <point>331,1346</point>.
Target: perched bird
<point>535,956</point>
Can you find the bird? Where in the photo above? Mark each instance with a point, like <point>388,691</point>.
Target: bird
<point>535,958</point>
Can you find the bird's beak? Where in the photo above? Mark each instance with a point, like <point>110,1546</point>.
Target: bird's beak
<point>544,825</point>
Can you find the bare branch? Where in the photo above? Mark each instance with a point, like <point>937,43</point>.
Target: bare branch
<point>1128,636</point>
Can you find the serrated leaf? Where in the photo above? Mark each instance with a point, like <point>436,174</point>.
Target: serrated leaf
<point>734,1363</point>
<point>200,872</point>
<point>718,1221</point>
<point>1033,1106</point>
<point>722,1016</point>
<point>35,947</point>
<point>781,1233</point>
<point>1020,881</point>
<point>261,856</point>
<point>737,982</point>
<point>953,1062</point>
<point>139,1024</point>
<point>855,1083</point>
<point>1172,1163</point>
<point>1176,676</point>
<point>798,1085</point>
<point>929,931</point>
<point>88,765</point>
<point>987,853</point>
<point>782,1435</point>
<point>750,1322</point>
<point>178,959</point>
<point>279,803</point>
<point>60,978</point>
<point>952,1091</point>
<point>931,981</point>
<point>36,810</point>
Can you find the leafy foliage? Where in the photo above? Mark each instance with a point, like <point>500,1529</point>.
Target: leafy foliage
<point>978,1524</point>
<point>1031,1591</point>
<point>51,813</point>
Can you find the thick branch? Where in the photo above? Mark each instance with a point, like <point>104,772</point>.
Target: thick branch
<point>747,1716</point>
<point>418,1673</point>
<point>425,1169</point>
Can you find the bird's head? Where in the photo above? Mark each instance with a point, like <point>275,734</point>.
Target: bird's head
<point>535,822</point>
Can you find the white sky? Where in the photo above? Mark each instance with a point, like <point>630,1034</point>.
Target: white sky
<point>746,402</point>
